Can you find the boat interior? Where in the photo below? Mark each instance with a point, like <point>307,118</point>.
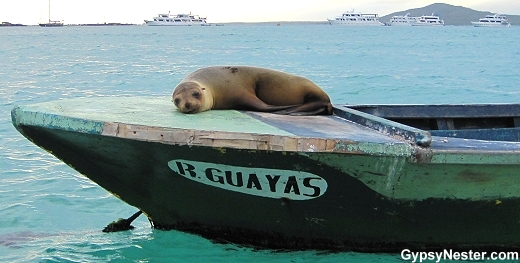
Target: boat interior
<point>499,122</point>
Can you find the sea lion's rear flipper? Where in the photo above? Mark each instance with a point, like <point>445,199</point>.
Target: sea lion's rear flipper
<point>309,108</point>
<point>253,103</point>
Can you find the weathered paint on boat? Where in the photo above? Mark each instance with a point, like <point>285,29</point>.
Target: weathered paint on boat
<point>352,181</point>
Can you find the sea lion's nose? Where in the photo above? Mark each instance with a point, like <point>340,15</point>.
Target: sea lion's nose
<point>187,105</point>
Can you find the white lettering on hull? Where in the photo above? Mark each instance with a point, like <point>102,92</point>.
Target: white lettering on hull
<point>272,183</point>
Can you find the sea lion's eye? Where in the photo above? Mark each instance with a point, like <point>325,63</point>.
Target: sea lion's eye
<point>196,95</point>
<point>176,101</point>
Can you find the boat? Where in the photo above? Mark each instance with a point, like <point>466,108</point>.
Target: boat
<point>352,18</point>
<point>432,20</point>
<point>375,178</point>
<point>495,20</point>
<point>177,20</point>
<point>51,23</point>
<point>401,20</point>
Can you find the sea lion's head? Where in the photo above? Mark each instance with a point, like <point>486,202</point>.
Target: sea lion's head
<point>190,97</point>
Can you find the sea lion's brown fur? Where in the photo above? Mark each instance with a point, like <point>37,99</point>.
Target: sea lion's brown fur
<point>249,88</point>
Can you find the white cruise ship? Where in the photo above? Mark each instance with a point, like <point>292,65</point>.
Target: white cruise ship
<point>495,20</point>
<point>405,20</point>
<point>177,20</point>
<point>356,19</point>
<point>432,20</point>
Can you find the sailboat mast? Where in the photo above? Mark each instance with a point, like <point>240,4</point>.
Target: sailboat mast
<point>51,23</point>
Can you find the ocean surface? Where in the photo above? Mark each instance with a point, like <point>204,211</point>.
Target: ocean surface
<point>50,213</point>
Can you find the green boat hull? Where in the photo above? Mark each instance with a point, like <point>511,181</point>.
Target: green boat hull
<point>336,195</point>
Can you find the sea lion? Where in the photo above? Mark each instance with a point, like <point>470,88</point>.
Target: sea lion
<point>249,88</point>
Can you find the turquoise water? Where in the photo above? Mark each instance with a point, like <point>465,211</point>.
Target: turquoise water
<point>50,213</point>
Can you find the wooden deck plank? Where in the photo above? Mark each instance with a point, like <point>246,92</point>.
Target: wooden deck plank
<point>330,127</point>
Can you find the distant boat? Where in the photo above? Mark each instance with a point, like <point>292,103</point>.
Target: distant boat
<point>177,20</point>
<point>356,19</point>
<point>432,20</point>
<point>405,20</point>
<point>51,23</point>
<point>495,20</point>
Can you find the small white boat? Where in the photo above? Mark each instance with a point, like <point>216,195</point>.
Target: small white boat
<point>177,20</point>
<point>356,19</point>
<point>405,20</point>
<point>432,20</point>
<point>495,20</point>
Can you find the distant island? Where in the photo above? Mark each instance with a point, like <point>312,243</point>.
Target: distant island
<point>102,24</point>
<point>452,15</point>
<point>6,24</point>
<point>9,24</point>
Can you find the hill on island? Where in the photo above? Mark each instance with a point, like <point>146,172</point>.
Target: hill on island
<point>452,15</point>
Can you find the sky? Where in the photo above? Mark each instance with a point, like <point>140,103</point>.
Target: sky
<point>31,12</point>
